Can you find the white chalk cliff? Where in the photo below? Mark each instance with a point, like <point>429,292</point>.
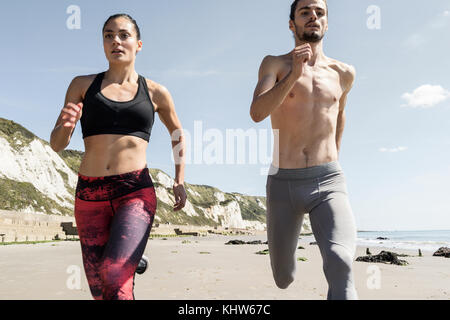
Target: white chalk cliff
<point>33,178</point>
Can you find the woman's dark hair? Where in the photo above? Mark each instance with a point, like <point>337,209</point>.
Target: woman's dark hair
<point>294,6</point>
<point>124,15</point>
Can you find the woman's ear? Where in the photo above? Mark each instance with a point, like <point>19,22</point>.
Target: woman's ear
<point>139,48</point>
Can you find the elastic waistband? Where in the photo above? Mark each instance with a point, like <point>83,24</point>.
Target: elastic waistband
<point>116,177</point>
<point>112,187</point>
<point>305,173</point>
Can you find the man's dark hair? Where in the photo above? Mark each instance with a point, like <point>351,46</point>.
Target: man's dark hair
<point>294,6</point>
<point>124,15</point>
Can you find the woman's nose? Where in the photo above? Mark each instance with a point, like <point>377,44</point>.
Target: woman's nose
<point>116,39</point>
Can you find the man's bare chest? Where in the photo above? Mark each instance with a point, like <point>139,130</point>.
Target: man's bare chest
<point>317,87</point>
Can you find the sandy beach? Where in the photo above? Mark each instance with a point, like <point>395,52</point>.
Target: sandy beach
<point>206,268</point>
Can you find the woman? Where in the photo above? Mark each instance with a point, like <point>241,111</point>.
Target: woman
<point>115,199</point>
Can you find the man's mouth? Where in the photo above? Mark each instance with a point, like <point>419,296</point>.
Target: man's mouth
<point>117,51</point>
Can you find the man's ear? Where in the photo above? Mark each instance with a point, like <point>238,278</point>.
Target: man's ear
<point>292,26</point>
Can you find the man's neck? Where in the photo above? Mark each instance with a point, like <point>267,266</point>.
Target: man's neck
<point>317,49</point>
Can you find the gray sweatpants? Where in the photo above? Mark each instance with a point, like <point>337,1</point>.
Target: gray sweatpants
<point>320,191</point>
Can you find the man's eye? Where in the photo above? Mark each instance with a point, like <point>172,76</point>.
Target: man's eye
<point>320,13</point>
<point>304,13</point>
<point>108,36</point>
<point>124,35</point>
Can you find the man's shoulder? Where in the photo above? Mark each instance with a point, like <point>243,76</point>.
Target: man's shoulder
<point>341,67</point>
<point>272,59</point>
<point>274,64</point>
<point>346,71</point>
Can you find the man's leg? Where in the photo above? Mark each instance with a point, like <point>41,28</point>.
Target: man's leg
<point>334,228</point>
<point>283,229</point>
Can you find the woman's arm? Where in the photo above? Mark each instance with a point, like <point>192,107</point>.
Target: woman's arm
<point>68,118</point>
<point>166,111</point>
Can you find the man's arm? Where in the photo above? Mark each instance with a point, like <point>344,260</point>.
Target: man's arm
<point>349,77</point>
<point>270,94</point>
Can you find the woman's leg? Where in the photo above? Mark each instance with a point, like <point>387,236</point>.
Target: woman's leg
<point>130,229</point>
<point>93,219</point>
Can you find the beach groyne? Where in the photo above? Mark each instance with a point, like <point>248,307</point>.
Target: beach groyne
<point>168,229</point>
<point>21,227</point>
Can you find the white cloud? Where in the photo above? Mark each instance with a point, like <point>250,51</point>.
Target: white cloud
<point>421,37</point>
<point>441,21</point>
<point>392,150</point>
<point>426,96</point>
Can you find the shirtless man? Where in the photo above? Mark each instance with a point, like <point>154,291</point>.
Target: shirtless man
<point>305,93</point>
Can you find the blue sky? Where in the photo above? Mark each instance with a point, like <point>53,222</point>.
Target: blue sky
<point>395,150</point>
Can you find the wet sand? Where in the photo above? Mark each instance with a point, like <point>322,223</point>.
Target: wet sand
<point>206,268</point>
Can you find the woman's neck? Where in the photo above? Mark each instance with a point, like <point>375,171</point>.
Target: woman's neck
<point>120,73</point>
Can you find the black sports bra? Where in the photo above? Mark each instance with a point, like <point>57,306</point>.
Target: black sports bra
<point>104,116</point>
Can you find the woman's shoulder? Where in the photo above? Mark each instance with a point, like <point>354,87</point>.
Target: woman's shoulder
<point>82,83</point>
<point>159,94</point>
<point>84,80</point>
<point>156,89</point>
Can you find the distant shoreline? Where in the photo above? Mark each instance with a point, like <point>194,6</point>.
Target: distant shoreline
<point>403,230</point>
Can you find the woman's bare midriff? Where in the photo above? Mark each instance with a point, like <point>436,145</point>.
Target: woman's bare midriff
<point>108,155</point>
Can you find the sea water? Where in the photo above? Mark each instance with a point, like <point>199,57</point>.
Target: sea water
<point>429,240</point>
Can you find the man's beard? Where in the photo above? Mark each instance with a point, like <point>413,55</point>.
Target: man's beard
<point>312,38</point>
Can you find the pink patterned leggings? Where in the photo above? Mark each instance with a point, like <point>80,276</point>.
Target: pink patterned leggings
<point>114,215</point>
